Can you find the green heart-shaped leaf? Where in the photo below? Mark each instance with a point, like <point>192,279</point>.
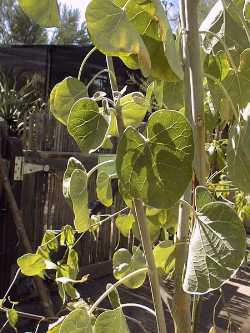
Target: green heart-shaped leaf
<point>64,95</point>
<point>112,32</point>
<point>87,125</point>
<point>216,250</point>
<point>32,264</point>
<point>157,169</point>
<point>111,318</point>
<point>45,13</point>
<point>124,263</point>
<point>78,321</point>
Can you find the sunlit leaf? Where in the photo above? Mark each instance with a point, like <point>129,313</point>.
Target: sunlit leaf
<point>164,254</point>
<point>75,183</point>
<point>111,318</point>
<point>12,317</point>
<point>64,95</point>
<point>114,297</point>
<point>157,169</point>
<point>31,264</point>
<point>113,33</point>
<point>67,236</point>
<point>216,250</point>
<point>49,244</point>
<point>124,263</point>
<point>45,13</point>
<point>79,196</point>
<point>87,125</point>
<point>78,321</point>
<point>124,224</point>
<point>133,108</point>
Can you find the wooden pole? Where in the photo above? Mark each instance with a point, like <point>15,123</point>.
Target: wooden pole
<point>17,218</point>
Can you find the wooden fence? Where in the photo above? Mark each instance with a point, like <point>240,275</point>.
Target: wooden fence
<point>47,145</point>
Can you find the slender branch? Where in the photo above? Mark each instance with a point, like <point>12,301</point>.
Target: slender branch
<point>98,224</point>
<point>196,87</point>
<point>114,286</point>
<point>135,305</point>
<point>152,270</point>
<point>95,168</point>
<point>105,70</point>
<point>84,62</point>
<point>12,284</point>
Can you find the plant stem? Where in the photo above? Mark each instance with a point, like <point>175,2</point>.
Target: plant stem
<point>152,270</point>
<point>140,216</point>
<point>181,300</point>
<point>84,62</point>
<point>197,98</point>
<point>196,87</point>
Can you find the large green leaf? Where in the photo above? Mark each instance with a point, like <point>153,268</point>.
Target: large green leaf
<point>78,192</point>
<point>238,155</point>
<point>124,263</point>
<point>216,250</point>
<point>104,189</point>
<point>45,13</point>
<point>87,125</point>
<point>111,320</point>
<point>64,95</point>
<point>113,34</point>
<point>143,31</point>
<point>78,321</point>
<point>157,169</point>
<point>164,254</point>
<point>31,264</point>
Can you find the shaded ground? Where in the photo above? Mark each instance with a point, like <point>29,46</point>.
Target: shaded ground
<point>234,305</point>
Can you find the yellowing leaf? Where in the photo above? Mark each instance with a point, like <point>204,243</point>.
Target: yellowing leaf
<point>44,13</point>
<point>31,264</point>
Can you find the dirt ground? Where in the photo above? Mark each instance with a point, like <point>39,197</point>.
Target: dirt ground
<point>235,305</point>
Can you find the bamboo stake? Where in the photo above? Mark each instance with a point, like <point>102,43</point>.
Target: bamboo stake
<point>17,218</point>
